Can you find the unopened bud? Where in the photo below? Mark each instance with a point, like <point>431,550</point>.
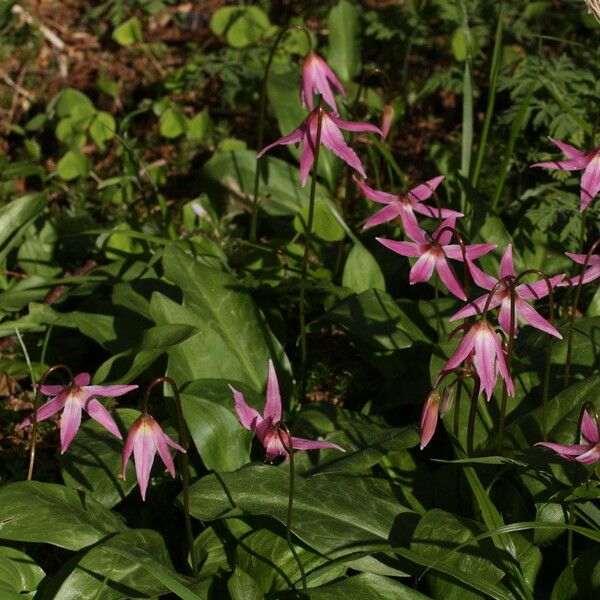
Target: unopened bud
<point>429,418</point>
<point>386,120</point>
<point>447,400</point>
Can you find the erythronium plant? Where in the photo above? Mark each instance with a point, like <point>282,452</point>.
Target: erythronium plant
<point>481,347</point>
<point>576,161</point>
<point>318,78</point>
<point>405,207</point>
<point>592,271</point>
<point>72,399</point>
<point>331,138</point>
<point>434,252</point>
<point>267,426</point>
<point>502,296</point>
<point>587,453</point>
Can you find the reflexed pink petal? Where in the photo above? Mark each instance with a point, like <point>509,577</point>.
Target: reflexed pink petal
<point>462,351</point>
<point>144,449</point>
<point>332,139</point>
<point>568,150</point>
<point>565,451</point>
<point>275,444</point>
<point>128,449</point>
<point>449,278</point>
<point>590,275</point>
<point>504,316</point>
<point>533,317</point>
<point>52,390</point>
<point>46,410</point>
<point>475,307</point>
<point>572,164</point>
<point>446,235</point>
<point>537,289</point>
<point>590,182</point>
<point>475,250</point>
<point>434,211</point>
<point>69,423</point>
<point>485,358</point>
<point>510,388</point>
<point>248,416</point>
<point>273,404</point>
<point>355,125</point>
<point>317,77</point>
<point>309,77</point>
<point>409,222</point>
<point>263,430</point>
<point>507,268</point>
<point>373,194</point>
<point>163,451</point>
<point>429,418</point>
<point>589,428</point>
<point>302,444</point>
<point>589,457</point>
<point>403,248</point>
<point>387,213</point>
<point>578,258</point>
<point>173,444</point>
<point>82,379</point>
<point>481,278</point>
<point>109,391</point>
<point>292,138</point>
<point>307,159</point>
<point>423,269</point>
<point>95,409</point>
<point>425,190</point>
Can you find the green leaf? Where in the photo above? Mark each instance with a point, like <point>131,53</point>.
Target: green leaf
<point>250,26</point>
<point>15,218</point>
<point>581,579</point>
<point>172,122</point>
<point>459,42</point>
<point>365,586</point>
<point>93,462</point>
<point>19,574</point>
<point>325,225</point>
<point>198,127</point>
<point>361,271</point>
<point>128,32</point>
<point>222,18</point>
<point>329,510</point>
<point>69,99</point>
<point>229,177</point>
<point>344,40</point>
<point>32,511</point>
<point>102,128</point>
<point>229,325</point>
<point>73,165</point>
<point>102,574</point>
<point>243,587</point>
<point>154,342</point>
<point>35,254</point>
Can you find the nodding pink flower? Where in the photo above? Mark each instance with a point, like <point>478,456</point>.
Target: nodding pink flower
<point>576,161</point>
<point>318,78</point>
<point>74,398</point>
<point>591,273</point>
<point>331,138</point>
<point>144,440</point>
<point>502,297</point>
<point>405,207</point>
<point>433,252</point>
<point>386,120</point>
<point>584,453</point>
<point>429,418</point>
<point>267,426</point>
<point>482,347</point>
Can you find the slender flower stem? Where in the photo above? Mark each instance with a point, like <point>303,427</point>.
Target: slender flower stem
<point>570,534</point>
<point>288,445</point>
<point>185,465</point>
<point>36,403</point>
<point>574,310</point>
<point>261,119</point>
<point>307,243</point>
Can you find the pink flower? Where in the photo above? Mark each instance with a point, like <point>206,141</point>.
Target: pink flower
<point>433,252</point>
<point>74,398</point>
<point>429,418</point>
<point>318,78</point>
<point>481,345</point>
<point>406,206</point>
<point>144,439</point>
<point>502,297</point>
<point>584,453</point>
<point>267,427</point>
<point>386,120</point>
<point>591,273</point>
<point>331,138</point>
<point>577,160</point>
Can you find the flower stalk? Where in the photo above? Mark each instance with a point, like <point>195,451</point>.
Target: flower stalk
<point>36,403</point>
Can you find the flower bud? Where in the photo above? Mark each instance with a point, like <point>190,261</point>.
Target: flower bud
<point>429,418</point>
<point>386,119</point>
<point>447,400</point>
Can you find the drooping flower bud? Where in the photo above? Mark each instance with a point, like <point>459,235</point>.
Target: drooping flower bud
<point>447,400</point>
<point>386,119</point>
<point>429,418</point>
